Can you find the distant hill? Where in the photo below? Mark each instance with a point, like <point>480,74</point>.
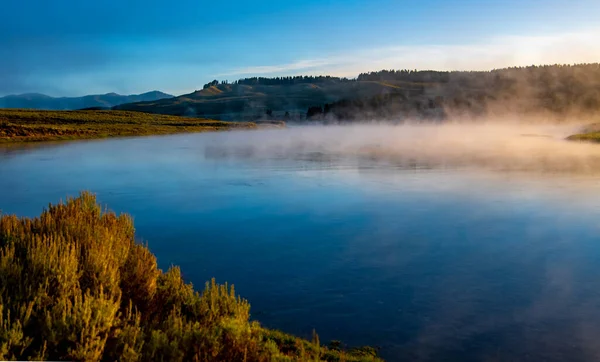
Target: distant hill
<point>388,94</point>
<point>249,99</point>
<point>98,101</point>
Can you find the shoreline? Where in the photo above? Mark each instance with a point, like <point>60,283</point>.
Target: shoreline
<point>33,126</point>
<point>592,137</point>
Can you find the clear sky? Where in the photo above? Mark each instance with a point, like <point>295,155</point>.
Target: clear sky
<point>77,47</point>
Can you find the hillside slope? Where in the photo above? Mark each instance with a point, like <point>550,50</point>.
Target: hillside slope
<point>546,91</point>
<point>249,102</point>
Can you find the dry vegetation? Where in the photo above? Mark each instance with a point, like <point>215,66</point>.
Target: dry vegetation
<point>33,125</point>
<point>586,137</point>
<point>74,285</point>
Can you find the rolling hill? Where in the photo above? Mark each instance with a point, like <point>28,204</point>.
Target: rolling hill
<point>42,101</point>
<point>548,91</point>
<point>240,101</point>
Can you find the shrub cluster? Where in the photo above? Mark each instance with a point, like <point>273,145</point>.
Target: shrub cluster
<point>74,285</point>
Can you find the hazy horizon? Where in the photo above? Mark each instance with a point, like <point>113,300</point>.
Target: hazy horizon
<point>132,48</point>
<point>84,95</point>
<point>249,74</point>
<point>275,75</point>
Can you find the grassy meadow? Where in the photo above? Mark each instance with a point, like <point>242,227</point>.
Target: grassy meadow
<point>33,125</point>
<point>75,285</point>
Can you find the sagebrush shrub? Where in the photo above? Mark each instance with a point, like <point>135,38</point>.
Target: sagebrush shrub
<point>75,285</point>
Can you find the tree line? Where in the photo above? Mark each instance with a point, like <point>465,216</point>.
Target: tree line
<point>557,90</point>
<point>427,76</point>
<point>300,79</point>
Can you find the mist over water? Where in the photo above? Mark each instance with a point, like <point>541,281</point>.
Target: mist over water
<point>491,145</point>
<point>459,241</point>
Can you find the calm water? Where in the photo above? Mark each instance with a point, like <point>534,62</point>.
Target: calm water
<point>427,264</point>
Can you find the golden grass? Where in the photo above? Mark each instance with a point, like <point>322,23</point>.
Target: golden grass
<point>586,137</point>
<point>33,125</point>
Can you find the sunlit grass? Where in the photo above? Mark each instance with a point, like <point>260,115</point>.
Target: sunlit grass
<point>75,285</point>
<point>34,125</point>
<point>586,137</point>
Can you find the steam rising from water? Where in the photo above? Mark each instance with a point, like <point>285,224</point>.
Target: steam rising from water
<point>493,146</point>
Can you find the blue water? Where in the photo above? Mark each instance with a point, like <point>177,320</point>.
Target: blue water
<point>428,264</point>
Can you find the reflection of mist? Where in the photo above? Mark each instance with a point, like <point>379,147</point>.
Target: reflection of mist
<point>482,276</point>
<point>497,146</point>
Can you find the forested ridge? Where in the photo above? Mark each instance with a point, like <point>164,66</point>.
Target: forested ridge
<point>550,90</point>
<point>553,90</point>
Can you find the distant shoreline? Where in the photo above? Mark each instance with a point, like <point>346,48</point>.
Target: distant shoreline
<point>19,126</point>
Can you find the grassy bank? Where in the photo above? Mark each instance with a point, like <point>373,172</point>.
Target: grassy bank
<point>589,133</point>
<point>33,125</point>
<point>74,285</point>
<point>585,137</point>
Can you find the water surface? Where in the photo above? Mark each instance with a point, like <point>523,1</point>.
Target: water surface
<point>426,263</point>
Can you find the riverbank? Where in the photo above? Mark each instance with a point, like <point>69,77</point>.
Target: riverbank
<point>18,125</point>
<point>586,137</point>
<point>589,133</point>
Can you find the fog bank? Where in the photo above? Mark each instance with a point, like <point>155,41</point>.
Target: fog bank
<point>492,145</point>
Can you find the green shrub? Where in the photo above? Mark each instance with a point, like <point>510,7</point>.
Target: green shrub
<point>74,285</point>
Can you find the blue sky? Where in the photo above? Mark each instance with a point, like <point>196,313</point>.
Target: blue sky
<point>72,48</point>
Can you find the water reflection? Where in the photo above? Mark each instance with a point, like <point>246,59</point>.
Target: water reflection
<point>430,263</point>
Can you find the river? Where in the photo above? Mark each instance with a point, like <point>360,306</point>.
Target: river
<point>428,263</point>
